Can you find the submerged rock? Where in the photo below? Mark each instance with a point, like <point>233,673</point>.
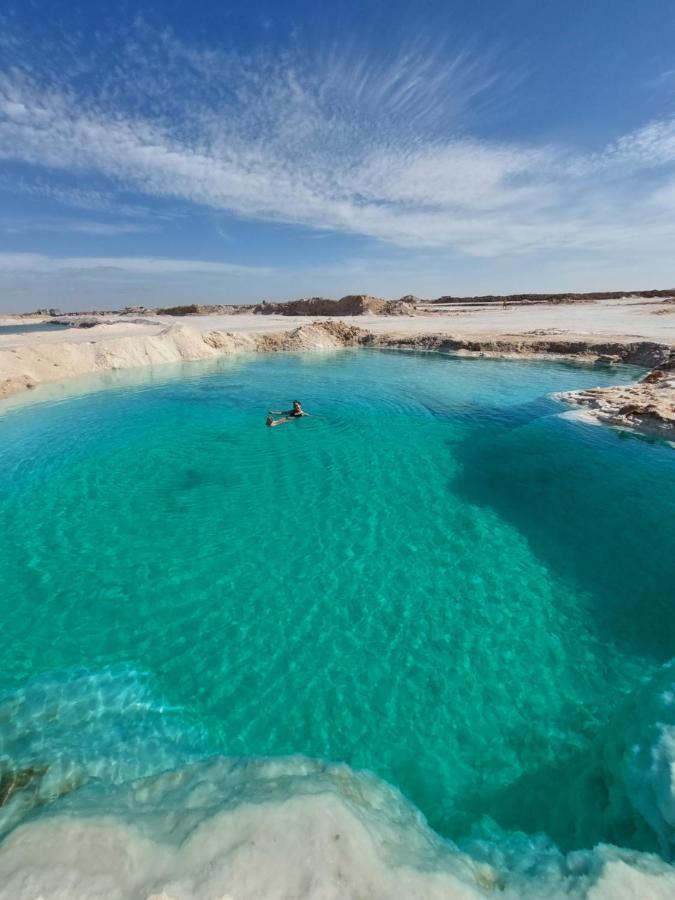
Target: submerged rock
<point>13,780</point>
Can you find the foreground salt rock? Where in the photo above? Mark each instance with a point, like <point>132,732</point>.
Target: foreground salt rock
<point>275,829</point>
<point>111,793</point>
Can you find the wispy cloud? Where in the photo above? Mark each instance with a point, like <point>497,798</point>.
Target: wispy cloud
<point>38,263</point>
<point>61,226</point>
<point>77,197</point>
<point>338,141</point>
<point>664,79</point>
<point>647,147</point>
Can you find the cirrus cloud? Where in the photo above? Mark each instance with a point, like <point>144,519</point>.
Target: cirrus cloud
<point>340,143</point>
<point>45,264</point>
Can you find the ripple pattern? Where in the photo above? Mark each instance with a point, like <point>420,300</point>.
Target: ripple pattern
<point>374,585</point>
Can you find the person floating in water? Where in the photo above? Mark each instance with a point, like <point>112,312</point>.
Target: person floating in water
<point>296,413</point>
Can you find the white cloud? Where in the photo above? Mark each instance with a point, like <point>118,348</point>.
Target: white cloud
<point>38,263</point>
<point>77,197</point>
<point>340,142</point>
<point>61,226</point>
<point>664,79</point>
<point>652,145</point>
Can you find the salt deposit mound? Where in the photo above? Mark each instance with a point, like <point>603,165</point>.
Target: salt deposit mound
<point>25,367</point>
<point>351,305</point>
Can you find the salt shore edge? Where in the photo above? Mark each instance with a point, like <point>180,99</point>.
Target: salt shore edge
<point>647,406</point>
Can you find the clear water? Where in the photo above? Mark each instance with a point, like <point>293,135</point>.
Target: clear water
<point>34,326</point>
<point>442,581</point>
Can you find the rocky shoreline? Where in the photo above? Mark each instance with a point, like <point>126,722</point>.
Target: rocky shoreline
<point>647,406</point>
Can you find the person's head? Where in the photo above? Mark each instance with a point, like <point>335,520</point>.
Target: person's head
<point>269,420</point>
<point>297,405</point>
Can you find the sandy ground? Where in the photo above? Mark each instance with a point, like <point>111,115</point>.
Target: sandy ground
<point>616,319</point>
<point>631,330</point>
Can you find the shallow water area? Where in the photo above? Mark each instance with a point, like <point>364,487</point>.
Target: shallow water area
<point>438,578</point>
<point>32,328</point>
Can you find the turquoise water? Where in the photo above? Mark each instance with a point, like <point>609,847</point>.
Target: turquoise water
<point>442,581</point>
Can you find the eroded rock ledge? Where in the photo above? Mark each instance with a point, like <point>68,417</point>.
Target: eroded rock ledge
<point>648,405</point>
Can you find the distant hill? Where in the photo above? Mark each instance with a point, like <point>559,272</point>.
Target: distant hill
<point>351,305</point>
<point>554,298</point>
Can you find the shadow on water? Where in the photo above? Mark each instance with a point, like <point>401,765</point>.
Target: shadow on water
<point>598,511</point>
<point>506,417</point>
<point>572,801</point>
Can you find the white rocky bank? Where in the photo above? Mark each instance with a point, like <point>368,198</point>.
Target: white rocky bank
<point>647,406</point>
<point>26,366</point>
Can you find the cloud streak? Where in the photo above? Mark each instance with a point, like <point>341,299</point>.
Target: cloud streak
<point>76,197</point>
<point>339,142</point>
<point>39,263</point>
<point>61,226</point>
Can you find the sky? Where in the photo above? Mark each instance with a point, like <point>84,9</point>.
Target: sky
<point>229,152</point>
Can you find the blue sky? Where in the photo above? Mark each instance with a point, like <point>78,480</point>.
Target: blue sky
<point>229,152</point>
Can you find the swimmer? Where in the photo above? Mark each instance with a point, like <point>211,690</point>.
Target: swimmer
<point>296,413</point>
<point>271,422</point>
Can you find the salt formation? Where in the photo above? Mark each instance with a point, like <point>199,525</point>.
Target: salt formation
<point>150,815</point>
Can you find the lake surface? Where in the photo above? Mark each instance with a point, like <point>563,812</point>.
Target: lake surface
<point>34,326</point>
<point>437,578</point>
